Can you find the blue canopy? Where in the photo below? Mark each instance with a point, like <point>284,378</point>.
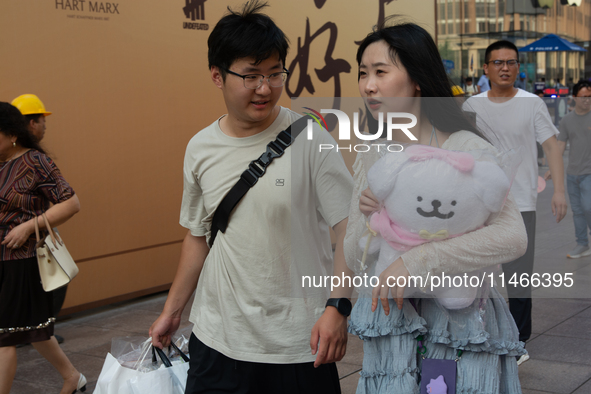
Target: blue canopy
<point>552,43</point>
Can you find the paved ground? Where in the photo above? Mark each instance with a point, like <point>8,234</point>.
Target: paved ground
<point>559,348</point>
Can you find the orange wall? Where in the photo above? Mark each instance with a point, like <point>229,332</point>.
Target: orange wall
<point>128,89</point>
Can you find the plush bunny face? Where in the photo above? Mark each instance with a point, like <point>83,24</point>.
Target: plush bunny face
<point>437,193</point>
<point>433,197</point>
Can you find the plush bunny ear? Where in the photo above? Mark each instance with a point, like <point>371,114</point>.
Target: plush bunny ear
<point>491,185</point>
<point>382,175</point>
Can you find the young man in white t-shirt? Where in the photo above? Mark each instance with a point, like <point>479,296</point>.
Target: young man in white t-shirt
<point>512,118</point>
<point>256,328</point>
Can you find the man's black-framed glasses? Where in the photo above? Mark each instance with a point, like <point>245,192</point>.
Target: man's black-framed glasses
<point>501,63</point>
<point>254,81</point>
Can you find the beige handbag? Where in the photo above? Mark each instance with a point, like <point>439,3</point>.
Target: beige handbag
<point>56,266</point>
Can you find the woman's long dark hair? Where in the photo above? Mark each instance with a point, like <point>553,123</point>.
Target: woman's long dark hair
<point>13,123</point>
<point>413,46</point>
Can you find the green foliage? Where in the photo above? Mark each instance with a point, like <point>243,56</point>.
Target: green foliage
<point>446,52</point>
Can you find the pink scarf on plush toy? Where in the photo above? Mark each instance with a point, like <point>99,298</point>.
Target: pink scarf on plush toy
<point>399,238</point>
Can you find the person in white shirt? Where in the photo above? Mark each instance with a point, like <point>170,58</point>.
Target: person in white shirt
<point>256,328</point>
<point>517,119</point>
<point>470,88</point>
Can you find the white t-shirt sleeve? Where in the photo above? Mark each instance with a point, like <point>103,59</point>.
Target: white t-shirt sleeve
<point>332,181</point>
<point>192,206</point>
<point>543,123</point>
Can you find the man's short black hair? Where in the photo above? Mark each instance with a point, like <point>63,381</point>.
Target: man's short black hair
<point>247,33</point>
<point>580,85</point>
<point>469,79</point>
<point>503,44</point>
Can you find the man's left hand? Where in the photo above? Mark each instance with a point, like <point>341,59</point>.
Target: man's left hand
<point>559,206</point>
<point>329,337</point>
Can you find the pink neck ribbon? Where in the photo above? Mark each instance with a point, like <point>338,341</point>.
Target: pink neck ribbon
<point>397,237</point>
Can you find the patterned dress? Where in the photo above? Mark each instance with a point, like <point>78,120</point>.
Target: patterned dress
<point>28,184</point>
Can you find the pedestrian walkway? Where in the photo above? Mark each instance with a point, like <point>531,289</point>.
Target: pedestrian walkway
<point>559,348</point>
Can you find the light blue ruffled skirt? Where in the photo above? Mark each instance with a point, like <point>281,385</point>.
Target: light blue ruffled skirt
<point>485,332</point>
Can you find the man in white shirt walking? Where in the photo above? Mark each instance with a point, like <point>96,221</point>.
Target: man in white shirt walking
<point>514,119</point>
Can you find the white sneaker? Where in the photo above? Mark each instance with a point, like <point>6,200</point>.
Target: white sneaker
<point>579,251</point>
<point>522,359</point>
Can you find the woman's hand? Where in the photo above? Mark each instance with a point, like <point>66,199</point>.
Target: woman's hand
<point>57,214</point>
<point>395,274</point>
<point>18,236</point>
<point>368,203</point>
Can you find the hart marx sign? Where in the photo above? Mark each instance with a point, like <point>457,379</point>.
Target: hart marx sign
<point>92,6</point>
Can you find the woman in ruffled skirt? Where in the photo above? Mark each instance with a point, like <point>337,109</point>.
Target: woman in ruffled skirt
<point>402,61</point>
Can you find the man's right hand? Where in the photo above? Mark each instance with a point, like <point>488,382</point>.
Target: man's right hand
<point>162,330</point>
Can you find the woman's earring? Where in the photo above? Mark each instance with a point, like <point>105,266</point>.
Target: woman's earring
<point>14,144</point>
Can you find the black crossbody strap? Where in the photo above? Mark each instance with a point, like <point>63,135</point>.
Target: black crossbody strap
<point>250,177</point>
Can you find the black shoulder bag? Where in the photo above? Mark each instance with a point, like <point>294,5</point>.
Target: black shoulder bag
<point>251,175</point>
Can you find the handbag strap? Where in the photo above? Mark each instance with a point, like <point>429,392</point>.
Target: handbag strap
<point>256,169</point>
<point>421,348</point>
<point>54,237</point>
<point>37,230</point>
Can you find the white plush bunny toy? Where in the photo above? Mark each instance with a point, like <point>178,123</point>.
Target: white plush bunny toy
<point>428,195</point>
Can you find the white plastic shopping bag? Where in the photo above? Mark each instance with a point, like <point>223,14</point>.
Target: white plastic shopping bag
<point>143,376</point>
<point>164,380</point>
<point>113,378</point>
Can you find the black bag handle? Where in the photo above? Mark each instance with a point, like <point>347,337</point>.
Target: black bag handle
<point>179,351</point>
<point>164,358</point>
<point>256,169</point>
